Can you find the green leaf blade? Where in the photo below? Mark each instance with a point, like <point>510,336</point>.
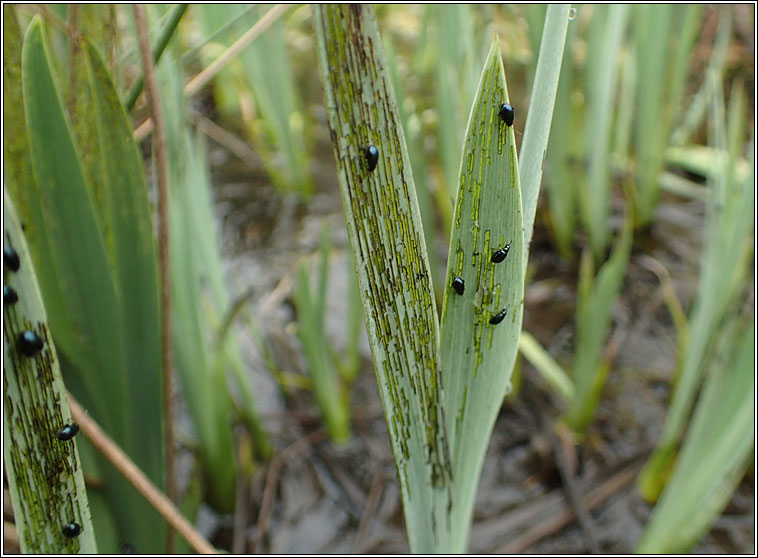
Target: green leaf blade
<point>128,230</point>
<point>87,307</point>
<point>80,268</point>
<point>385,231</point>
<point>716,451</point>
<point>477,355</point>
<point>597,296</point>
<point>537,129</point>
<point>45,476</point>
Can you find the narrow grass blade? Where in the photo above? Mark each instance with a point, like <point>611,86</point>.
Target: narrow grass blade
<point>688,24</point>
<point>329,391</point>
<point>565,146</point>
<point>18,177</point>
<point>167,31</point>
<point>625,114</point>
<point>279,125</point>
<point>228,356</point>
<point>424,62</point>
<point>535,17</point>
<point>596,299</point>
<point>537,129</point>
<point>714,456</point>
<point>550,370</point>
<point>728,247</point>
<point>386,236</point>
<point>696,110</point>
<point>203,383</point>
<point>652,30</point>
<point>196,288</point>
<point>607,32</point>
<point>481,326</point>
<point>45,477</point>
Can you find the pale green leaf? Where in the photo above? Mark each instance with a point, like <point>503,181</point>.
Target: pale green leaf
<point>541,104</point>
<point>45,477</point>
<point>728,248</point>
<point>597,295</point>
<point>715,453</point>
<point>548,368</point>
<point>385,231</point>
<point>198,293</point>
<point>330,393</point>
<point>605,42</point>
<point>477,354</point>
<point>652,33</point>
<point>565,145</point>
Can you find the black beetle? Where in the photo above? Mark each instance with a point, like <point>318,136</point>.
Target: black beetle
<point>72,530</point>
<point>497,318</point>
<point>9,295</point>
<point>507,114</point>
<point>458,285</point>
<point>67,432</point>
<point>29,343</point>
<point>500,254</point>
<point>10,257</point>
<point>372,157</point>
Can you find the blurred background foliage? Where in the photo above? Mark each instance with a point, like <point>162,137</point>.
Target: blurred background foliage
<point>655,104</point>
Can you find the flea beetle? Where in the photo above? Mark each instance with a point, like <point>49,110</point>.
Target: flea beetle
<point>458,285</point>
<point>497,318</point>
<point>29,343</point>
<point>10,257</point>
<point>9,296</point>
<point>67,432</point>
<point>500,254</point>
<point>507,114</point>
<point>72,530</point>
<point>372,157</point>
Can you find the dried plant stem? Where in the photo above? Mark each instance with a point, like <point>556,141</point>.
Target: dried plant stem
<point>231,142</point>
<point>272,475</point>
<point>201,79</point>
<point>151,89</point>
<point>137,478</point>
<point>166,33</point>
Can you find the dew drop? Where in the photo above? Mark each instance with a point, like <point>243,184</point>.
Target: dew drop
<point>572,14</point>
